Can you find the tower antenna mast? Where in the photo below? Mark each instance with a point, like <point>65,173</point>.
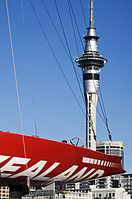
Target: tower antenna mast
<point>91,14</point>
<point>91,63</point>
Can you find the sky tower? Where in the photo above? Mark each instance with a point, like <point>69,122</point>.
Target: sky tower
<point>91,63</point>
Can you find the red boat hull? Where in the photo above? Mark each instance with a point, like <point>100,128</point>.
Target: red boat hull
<point>45,161</point>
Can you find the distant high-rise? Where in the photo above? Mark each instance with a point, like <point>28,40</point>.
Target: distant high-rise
<point>111,148</point>
<point>91,63</point>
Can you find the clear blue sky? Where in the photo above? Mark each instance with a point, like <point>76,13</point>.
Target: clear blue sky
<point>57,114</point>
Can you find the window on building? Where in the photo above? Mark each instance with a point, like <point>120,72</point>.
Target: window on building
<point>89,111</point>
<point>89,144</point>
<point>113,194</point>
<point>90,97</point>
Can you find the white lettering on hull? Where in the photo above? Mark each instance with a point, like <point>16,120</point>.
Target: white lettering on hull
<point>66,174</point>
<point>35,171</point>
<point>9,167</point>
<point>3,158</point>
<point>32,171</point>
<point>42,177</point>
<point>87,174</point>
<point>78,175</point>
<point>98,172</point>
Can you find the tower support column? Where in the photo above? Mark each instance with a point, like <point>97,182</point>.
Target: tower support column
<point>91,101</point>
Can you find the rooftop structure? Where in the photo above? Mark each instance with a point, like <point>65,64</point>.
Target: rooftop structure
<point>111,148</point>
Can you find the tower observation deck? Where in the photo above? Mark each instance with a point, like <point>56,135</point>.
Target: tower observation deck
<point>91,63</point>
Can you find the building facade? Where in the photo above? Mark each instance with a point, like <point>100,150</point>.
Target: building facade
<point>110,193</point>
<point>126,182</point>
<point>4,192</point>
<point>111,148</point>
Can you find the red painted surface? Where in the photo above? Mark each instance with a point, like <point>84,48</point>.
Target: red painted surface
<point>68,160</point>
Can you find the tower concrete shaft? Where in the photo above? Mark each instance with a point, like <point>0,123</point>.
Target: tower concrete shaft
<point>91,63</point>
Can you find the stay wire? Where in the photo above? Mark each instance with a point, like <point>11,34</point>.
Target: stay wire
<point>99,99</point>
<point>53,24</point>
<point>84,18</point>
<point>102,102</point>
<point>55,28</point>
<point>107,125</point>
<point>69,51</point>
<point>76,24</point>
<point>60,65</point>
<point>94,135</point>
<point>16,82</point>
<point>68,46</point>
<point>102,117</point>
<point>103,120</point>
<point>99,113</point>
<point>56,59</point>
<point>106,120</point>
<point>73,28</point>
<point>29,69</point>
<point>102,108</point>
<point>104,114</point>
<point>64,45</point>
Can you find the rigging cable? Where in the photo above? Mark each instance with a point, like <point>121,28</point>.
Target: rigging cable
<point>76,24</point>
<point>84,18</point>
<point>102,102</point>
<point>56,59</point>
<point>103,112</point>
<point>52,22</point>
<point>59,63</point>
<point>94,135</point>
<point>75,38</point>
<point>70,6</point>
<point>55,28</point>
<point>73,29</point>
<point>99,113</point>
<point>64,46</point>
<point>16,82</point>
<point>29,70</point>
<point>107,126</point>
<point>105,120</point>
<point>101,107</point>
<point>69,51</point>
